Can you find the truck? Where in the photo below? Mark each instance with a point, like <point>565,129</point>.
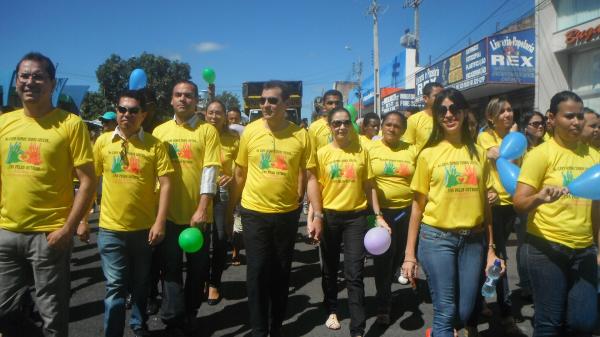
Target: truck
<point>252,92</point>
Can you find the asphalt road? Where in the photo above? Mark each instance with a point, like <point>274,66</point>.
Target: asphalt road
<point>411,312</point>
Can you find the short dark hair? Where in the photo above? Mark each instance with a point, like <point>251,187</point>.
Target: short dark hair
<point>587,110</point>
<point>219,103</point>
<point>41,58</point>
<point>285,91</point>
<point>428,88</point>
<point>138,95</point>
<point>236,109</point>
<point>190,83</point>
<point>370,116</point>
<point>333,92</point>
<point>334,111</point>
<point>563,96</point>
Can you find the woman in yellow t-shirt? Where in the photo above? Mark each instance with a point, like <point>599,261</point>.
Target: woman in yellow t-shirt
<point>561,255</point>
<point>230,140</point>
<point>451,208</point>
<point>393,163</point>
<point>500,119</point>
<point>346,179</point>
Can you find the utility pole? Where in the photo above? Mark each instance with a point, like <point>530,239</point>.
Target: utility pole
<point>373,10</point>
<point>415,4</point>
<point>357,74</point>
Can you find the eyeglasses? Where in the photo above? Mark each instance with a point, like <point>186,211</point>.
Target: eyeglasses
<point>271,100</point>
<point>340,122</point>
<point>452,108</point>
<point>123,153</point>
<point>124,109</point>
<point>537,124</point>
<point>37,77</point>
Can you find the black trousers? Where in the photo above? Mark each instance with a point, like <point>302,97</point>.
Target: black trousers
<point>388,263</point>
<point>269,240</point>
<point>348,228</point>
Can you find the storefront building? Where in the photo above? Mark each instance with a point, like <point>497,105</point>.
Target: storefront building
<point>568,54</point>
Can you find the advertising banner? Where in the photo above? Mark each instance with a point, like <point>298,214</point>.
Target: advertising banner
<point>512,57</point>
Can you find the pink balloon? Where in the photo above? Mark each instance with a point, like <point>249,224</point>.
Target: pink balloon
<point>377,240</point>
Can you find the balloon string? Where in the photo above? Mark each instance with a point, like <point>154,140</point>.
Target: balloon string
<point>400,216</point>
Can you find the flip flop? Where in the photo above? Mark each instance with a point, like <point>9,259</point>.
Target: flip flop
<point>332,322</point>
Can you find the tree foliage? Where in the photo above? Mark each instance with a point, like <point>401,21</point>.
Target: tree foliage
<point>95,104</point>
<point>229,99</point>
<point>162,73</point>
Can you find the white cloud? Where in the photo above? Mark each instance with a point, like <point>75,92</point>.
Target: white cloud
<point>207,47</point>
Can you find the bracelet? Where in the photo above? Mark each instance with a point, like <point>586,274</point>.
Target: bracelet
<point>412,261</point>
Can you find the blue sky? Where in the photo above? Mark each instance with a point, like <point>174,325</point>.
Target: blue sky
<point>243,40</point>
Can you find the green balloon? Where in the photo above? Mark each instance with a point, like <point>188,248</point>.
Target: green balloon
<point>208,74</point>
<point>371,220</point>
<point>191,240</point>
<point>353,112</point>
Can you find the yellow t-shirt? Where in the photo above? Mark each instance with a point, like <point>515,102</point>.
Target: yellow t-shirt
<point>230,143</point>
<point>418,129</point>
<point>365,142</point>
<point>568,220</point>
<point>319,134</point>
<point>393,169</point>
<point>455,184</point>
<point>274,161</point>
<point>342,173</point>
<point>487,140</point>
<point>191,148</point>
<point>38,157</point>
<point>129,196</point>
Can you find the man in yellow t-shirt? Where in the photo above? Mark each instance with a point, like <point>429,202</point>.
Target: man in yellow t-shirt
<point>419,125</point>
<point>133,214</point>
<point>40,147</point>
<point>318,131</point>
<point>369,128</point>
<point>273,154</point>
<point>194,149</point>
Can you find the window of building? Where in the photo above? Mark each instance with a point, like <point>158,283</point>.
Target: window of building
<point>571,13</point>
<point>585,77</point>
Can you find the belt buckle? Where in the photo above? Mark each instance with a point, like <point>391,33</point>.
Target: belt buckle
<point>464,232</point>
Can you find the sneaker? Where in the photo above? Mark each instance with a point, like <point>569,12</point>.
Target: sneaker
<point>510,327</point>
<point>332,322</point>
<point>470,331</point>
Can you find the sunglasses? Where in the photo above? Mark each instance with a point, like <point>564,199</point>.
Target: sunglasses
<point>36,77</point>
<point>124,109</point>
<point>271,100</point>
<point>452,108</point>
<point>340,122</point>
<point>537,124</point>
<point>123,153</point>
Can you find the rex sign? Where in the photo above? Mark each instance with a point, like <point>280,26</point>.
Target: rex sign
<point>512,57</point>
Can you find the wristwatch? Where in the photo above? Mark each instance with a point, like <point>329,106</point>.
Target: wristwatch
<point>493,246</point>
<point>318,215</point>
<point>379,214</point>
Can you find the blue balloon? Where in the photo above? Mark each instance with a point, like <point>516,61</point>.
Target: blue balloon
<point>587,185</point>
<point>138,79</point>
<point>513,146</point>
<point>509,174</point>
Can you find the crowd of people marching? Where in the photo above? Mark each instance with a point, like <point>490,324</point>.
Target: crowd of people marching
<point>430,180</point>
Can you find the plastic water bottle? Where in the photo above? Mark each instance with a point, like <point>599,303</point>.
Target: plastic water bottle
<point>223,193</point>
<point>402,279</point>
<point>493,274</point>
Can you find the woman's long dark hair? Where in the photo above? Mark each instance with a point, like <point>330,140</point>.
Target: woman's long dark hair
<point>437,133</point>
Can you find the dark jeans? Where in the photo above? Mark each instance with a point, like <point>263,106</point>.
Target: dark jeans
<point>388,263</point>
<point>348,228</point>
<point>503,219</point>
<point>219,241</point>
<point>269,239</point>
<point>564,283</point>
<point>521,230</point>
<point>126,258</point>
<point>179,300</point>
<point>453,265</point>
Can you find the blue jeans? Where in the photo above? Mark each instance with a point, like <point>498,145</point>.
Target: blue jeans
<point>126,258</point>
<point>564,284</point>
<point>453,265</point>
